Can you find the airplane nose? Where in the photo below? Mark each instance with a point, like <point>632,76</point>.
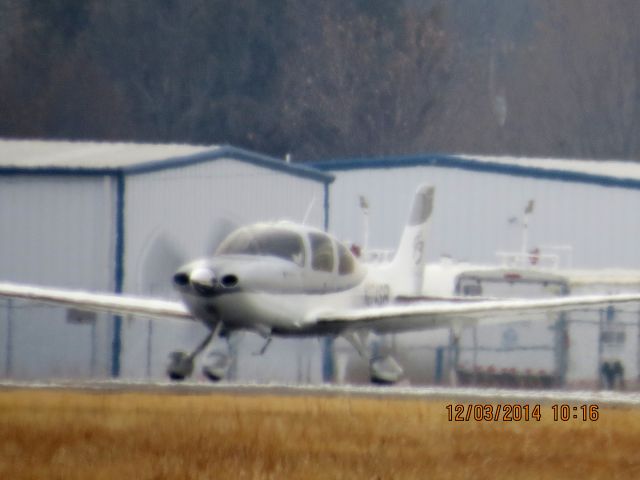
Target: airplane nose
<point>203,280</point>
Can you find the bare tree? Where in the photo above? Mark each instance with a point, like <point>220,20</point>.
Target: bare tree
<point>315,79</point>
<point>583,92</point>
<point>566,87</point>
<point>355,86</point>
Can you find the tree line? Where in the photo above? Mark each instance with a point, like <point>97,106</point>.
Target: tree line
<point>313,79</point>
<point>327,79</point>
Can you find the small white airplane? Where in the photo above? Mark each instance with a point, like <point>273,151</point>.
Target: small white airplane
<point>283,279</point>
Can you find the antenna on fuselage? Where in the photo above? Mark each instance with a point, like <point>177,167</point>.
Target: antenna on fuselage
<point>308,212</point>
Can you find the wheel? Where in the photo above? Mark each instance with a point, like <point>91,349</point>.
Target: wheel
<point>218,368</point>
<point>212,374</point>
<point>180,366</point>
<point>385,370</point>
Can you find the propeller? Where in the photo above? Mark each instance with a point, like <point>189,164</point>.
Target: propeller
<point>219,230</point>
<point>164,256</point>
<point>160,261</point>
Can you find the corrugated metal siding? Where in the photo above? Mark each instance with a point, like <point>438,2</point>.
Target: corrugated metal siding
<point>61,227</point>
<point>472,209</point>
<point>55,231</point>
<point>470,222</point>
<point>183,206</point>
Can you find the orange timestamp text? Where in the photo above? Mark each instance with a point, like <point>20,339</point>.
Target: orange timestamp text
<point>519,412</point>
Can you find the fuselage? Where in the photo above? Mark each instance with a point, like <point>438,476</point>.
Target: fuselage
<point>274,278</point>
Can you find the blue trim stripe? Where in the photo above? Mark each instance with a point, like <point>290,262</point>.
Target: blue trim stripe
<point>58,171</point>
<point>119,253</point>
<point>328,367</point>
<point>224,152</point>
<point>116,344</point>
<point>228,152</point>
<point>321,171</point>
<point>447,161</point>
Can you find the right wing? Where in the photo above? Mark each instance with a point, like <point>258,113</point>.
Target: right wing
<point>100,302</point>
<point>425,315</point>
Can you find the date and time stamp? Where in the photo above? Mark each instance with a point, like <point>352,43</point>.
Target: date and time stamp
<point>521,412</point>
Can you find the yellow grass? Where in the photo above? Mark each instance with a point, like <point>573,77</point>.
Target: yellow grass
<point>74,435</point>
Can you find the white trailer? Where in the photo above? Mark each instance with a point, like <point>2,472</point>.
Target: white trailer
<point>589,348</point>
<point>529,351</point>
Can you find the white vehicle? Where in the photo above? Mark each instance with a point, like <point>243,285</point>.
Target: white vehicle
<point>531,351</point>
<point>283,279</point>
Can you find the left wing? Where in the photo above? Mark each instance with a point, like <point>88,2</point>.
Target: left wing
<point>440,314</point>
<point>119,304</point>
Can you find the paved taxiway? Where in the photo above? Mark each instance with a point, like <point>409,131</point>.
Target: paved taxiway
<point>462,394</point>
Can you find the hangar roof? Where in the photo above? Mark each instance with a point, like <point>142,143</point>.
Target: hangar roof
<point>601,172</point>
<point>64,154</point>
<point>104,158</point>
<point>610,168</point>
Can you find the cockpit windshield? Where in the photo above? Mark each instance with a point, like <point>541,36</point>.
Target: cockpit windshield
<point>269,241</point>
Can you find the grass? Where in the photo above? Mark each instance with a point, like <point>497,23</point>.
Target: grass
<point>78,435</point>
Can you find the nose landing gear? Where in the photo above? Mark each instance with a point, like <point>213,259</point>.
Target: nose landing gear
<point>180,366</point>
<point>181,363</point>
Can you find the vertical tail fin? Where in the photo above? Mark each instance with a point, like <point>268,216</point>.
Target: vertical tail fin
<point>408,264</point>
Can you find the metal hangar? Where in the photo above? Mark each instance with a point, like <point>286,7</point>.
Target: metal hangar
<point>120,217</point>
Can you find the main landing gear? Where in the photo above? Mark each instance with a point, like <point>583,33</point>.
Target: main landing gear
<point>181,363</point>
<point>383,369</point>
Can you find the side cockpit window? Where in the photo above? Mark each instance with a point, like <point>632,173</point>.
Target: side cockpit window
<point>346,262</point>
<point>321,252</point>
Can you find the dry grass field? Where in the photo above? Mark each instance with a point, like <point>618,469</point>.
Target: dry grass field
<point>76,435</point>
